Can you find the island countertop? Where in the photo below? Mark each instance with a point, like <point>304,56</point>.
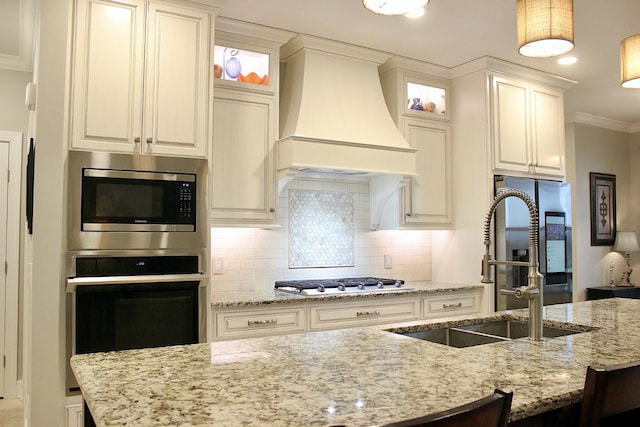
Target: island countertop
<point>353,377</point>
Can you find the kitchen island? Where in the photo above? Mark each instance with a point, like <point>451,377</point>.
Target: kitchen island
<point>353,377</point>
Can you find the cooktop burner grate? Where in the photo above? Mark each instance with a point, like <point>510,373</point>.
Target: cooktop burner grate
<point>333,286</point>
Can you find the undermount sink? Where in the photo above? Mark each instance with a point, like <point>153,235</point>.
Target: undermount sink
<point>487,332</point>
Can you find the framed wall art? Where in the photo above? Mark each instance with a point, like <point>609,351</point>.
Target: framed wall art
<point>603,209</point>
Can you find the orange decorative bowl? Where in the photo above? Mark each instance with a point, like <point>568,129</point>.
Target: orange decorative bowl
<point>254,78</point>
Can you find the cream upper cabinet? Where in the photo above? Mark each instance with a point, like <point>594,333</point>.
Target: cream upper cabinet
<point>527,128</point>
<point>141,77</point>
<point>242,169</point>
<point>426,199</point>
<point>246,94</point>
<point>419,104</point>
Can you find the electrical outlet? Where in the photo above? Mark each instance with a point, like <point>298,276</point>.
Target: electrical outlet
<point>217,266</point>
<point>388,262</point>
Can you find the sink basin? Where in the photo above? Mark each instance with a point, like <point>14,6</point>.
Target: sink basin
<point>454,337</point>
<point>487,332</point>
<point>514,329</point>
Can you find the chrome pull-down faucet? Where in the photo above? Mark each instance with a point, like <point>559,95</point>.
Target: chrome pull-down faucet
<point>533,290</point>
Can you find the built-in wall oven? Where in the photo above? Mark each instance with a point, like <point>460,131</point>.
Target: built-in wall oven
<point>137,259</point>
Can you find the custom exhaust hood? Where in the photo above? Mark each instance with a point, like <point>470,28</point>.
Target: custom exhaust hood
<point>333,117</point>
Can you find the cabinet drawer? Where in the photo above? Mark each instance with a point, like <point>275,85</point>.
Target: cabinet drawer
<point>345,315</point>
<point>257,323</point>
<point>450,305</point>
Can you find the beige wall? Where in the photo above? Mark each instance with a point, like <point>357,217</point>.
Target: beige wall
<point>600,150</point>
<point>14,116</point>
<point>634,187</point>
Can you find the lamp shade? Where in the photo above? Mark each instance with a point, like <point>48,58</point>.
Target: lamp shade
<point>545,27</point>
<point>630,62</point>
<point>626,241</point>
<point>394,7</point>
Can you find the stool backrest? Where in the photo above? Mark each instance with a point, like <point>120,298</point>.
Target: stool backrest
<point>489,411</point>
<point>609,391</point>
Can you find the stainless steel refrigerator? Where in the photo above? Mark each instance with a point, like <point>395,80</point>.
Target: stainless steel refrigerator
<point>553,200</point>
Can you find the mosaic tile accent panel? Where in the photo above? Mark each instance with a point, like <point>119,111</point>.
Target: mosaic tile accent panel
<point>321,229</point>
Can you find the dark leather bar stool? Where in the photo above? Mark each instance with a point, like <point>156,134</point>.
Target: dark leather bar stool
<point>611,396</point>
<point>490,411</point>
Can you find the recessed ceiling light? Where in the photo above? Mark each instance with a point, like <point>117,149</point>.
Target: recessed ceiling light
<point>567,60</point>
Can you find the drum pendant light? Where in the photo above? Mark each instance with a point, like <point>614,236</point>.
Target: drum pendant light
<point>394,7</point>
<point>630,62</point>
<point>545,27</point>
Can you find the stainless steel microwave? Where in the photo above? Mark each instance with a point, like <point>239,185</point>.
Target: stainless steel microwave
<point>134,201</point>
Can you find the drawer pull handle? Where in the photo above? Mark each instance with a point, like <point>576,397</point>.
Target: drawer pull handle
<point>456,305</point>
<point>368,313</point>
<point>262,322</point>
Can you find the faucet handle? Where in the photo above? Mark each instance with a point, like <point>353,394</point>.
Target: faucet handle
<point>518,292</point>
<point>522,291</point>
<point>485,271</point>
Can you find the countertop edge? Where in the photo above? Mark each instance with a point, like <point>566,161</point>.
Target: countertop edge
<point>228,299</point>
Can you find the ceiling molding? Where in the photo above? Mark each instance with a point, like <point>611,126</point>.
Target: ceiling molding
<point>602,122</point>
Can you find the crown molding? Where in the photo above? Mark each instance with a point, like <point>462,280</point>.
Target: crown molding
<point>602,122</point>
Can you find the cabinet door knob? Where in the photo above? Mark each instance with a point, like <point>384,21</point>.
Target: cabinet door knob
<point>272,210</point>
<point>149,140</point>
<point>136,140</point>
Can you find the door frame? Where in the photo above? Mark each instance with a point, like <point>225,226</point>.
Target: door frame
<point>14,229</point>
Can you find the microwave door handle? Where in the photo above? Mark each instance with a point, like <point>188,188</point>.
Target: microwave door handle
<point>74,282</point>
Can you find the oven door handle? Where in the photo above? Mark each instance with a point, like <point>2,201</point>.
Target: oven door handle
<point>74,282</point>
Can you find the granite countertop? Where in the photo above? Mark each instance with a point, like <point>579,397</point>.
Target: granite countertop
<point>353,377</point>
<point>222,299</point>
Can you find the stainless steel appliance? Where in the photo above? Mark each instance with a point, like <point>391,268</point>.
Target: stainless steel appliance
<point>340,286</point>
<point>553,201</point>
<point>137,258</point>
<point>127,300</point>
<point>130,201</point>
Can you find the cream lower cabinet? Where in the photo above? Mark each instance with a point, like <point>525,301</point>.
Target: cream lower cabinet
<point>361,313</point>
<point>276,319</point>
<point>249,323</point>
<point>74,415</point>
<point>243,190</point>
<point>527,128</point>
<point>141,77</point>
<point>427,198</point>
<point>451,304</point>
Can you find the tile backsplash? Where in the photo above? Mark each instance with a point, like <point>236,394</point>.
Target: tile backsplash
<point>253,259</point>
<point>321,228</point>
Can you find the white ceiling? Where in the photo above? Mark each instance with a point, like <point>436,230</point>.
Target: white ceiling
<point>453,32</point>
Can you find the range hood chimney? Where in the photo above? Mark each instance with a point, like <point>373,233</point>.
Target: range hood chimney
<point>333,117</point>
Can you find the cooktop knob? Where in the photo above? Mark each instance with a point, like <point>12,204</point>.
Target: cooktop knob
<point>321,288</point>
<point>341,287</point>
<point>380,285</point>
<point>397,284</point>
<point>361,286</point>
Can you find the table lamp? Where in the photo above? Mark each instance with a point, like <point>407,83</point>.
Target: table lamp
<point>626,241</point>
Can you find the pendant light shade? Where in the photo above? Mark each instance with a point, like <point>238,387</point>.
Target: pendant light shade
<point>545,27</point>
<point>394,7</point>
<point>630,62</point>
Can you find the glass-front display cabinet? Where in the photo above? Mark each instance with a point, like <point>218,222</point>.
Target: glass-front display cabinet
<point>426,100</point>
<point>238,66</point>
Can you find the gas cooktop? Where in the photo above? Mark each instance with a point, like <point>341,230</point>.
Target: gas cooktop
<point>340,286</point>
